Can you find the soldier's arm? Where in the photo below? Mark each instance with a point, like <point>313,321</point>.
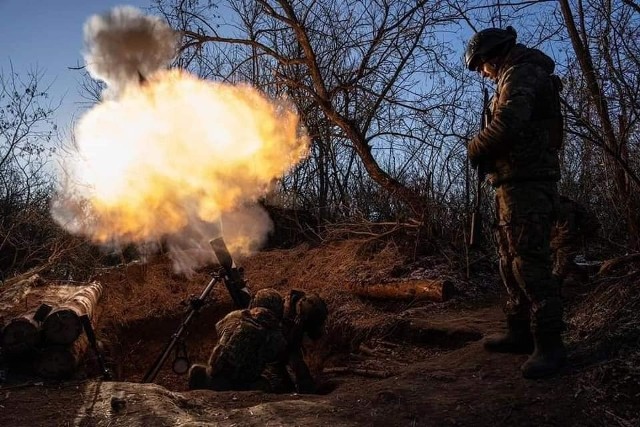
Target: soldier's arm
<point>275,345</point>
<point>513,112</point>
<point>294,359</point>
<point>214,358</point>
<point>303,379</point>
<point>277,358</point>
<point>280,370</point>
<point>230,321</point>
<point>224,329</point>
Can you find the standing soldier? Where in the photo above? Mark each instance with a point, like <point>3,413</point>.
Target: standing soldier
<point>518,151</point>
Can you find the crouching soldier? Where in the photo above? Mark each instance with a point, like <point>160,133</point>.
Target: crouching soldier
<point>305,314</point>
<point>575,226</point>
<point>248,340</point>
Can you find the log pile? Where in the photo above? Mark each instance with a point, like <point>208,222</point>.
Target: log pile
<point>49,341</point>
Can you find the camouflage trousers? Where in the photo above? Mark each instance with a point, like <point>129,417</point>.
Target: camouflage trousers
<point>525,214</point>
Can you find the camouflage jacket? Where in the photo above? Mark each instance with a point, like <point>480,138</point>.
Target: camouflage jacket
<point>247,340</point>
<point>522,140</point>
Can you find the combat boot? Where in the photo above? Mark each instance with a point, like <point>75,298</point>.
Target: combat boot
<point>198,377</point>
<point>517,339</point>
<point>549,357</point>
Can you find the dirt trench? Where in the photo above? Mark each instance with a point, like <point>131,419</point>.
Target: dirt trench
<point>402,363</point>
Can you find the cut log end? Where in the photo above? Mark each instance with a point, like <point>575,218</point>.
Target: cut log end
<point>62,326</point>
<point>20,336</point>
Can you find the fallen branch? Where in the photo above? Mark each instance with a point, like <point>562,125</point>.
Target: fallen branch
<point>370,373</point>
<point>610,264</point>
<point>366,350</point>
<point>433,290</point>
<point>29,278</point>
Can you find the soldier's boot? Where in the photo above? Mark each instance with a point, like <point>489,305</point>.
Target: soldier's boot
<point>549,357</point>
<point>198,377</point>
<point>517,339</point>
<point>550,354</point>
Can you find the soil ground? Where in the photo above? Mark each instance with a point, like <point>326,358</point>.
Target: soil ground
<point>386,363</point>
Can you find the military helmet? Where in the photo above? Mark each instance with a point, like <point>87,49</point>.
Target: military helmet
<point>487,44</point>
<point>270,299</point>
<point>311,310</point>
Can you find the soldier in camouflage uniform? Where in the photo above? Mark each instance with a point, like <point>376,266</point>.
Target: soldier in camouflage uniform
<point>518,150</point>
<point>247,341</point>
<point>574,226</point>
<point>305,314</point>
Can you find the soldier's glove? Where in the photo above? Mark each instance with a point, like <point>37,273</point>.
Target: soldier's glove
<point>474,153</point>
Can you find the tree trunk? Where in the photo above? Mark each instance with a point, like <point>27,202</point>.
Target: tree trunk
<point>63,325</point>
<point>615,146</point>
<point>433,290</point>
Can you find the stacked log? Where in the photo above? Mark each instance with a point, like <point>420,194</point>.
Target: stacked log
<point>63,325</point>
<point>65,344</point>
<point>22,335</point>
<point>53,336</point>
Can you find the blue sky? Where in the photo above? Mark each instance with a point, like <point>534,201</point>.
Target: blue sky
<point>47,34</point>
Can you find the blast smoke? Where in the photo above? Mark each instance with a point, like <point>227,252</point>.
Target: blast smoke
<point>124,43</point>
<point>166,161</point>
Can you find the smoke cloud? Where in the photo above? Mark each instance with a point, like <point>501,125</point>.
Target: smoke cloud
<point>172,160</point>
<point>124,43</point>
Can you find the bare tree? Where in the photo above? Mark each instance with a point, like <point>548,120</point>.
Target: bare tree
<point>359,67</point>
<point>26,142</point>
<point>604,36</point>
<point>389,106</point>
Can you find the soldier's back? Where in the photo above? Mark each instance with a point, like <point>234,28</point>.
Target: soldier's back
<point>249,339</point>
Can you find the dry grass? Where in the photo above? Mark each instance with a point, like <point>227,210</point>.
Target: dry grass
<point>148,291</point>
<point>137,292</point>
<point>605,330</point>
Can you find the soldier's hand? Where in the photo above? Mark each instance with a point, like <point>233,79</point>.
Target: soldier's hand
<point>473,151</point>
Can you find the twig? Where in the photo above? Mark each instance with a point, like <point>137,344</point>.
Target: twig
<point>387,344</point>
<point>366,350</point>
<point>371,373</point>
<point>631,275</point>
<point>621,421</point>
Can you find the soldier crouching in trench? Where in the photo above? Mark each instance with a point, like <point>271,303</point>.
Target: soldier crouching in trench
<point>305,314</point>
<point>575,226</point>
<point>247,340</point>
<point>268,333</point>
